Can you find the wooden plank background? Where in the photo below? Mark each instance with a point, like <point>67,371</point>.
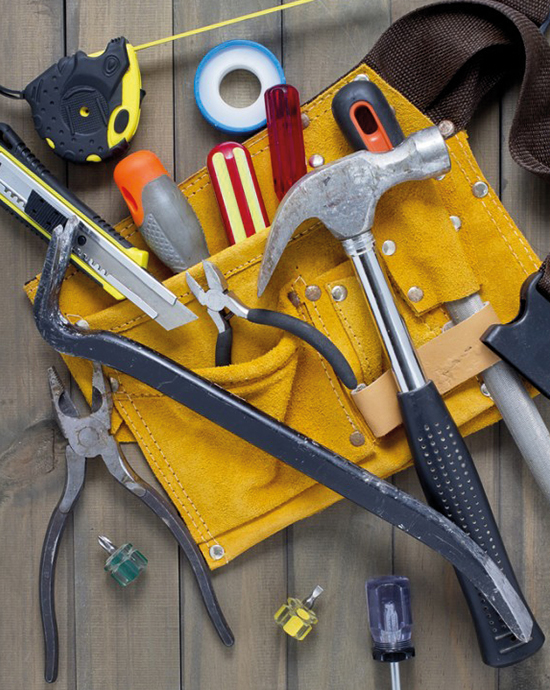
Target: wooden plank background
<point>155,634</point>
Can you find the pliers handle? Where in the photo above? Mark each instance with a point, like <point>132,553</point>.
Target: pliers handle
<point>222,303</point>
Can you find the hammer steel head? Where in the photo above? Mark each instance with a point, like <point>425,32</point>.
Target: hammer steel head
<point>343,195</point>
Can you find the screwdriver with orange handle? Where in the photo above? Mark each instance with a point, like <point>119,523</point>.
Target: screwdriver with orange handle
<point>366,118</point>
<point>161,212</point>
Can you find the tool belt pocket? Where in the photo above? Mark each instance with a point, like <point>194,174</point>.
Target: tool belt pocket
<point>439,242</point>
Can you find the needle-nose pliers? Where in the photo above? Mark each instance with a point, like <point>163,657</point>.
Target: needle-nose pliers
<point>222,303</point>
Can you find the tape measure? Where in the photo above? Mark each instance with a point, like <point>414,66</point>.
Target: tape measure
<point>87,107</point>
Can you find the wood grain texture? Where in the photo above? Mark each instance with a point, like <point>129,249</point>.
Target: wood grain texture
<point>156,633</point>
<point>253,587</point>
<point>127,637</point>
<point>525,515</point>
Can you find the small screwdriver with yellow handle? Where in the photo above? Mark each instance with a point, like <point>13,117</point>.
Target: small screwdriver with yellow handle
<point>297,617</point>
<point>87,107</point>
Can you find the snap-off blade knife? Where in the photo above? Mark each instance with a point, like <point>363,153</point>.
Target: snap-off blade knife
<point>35,197</point>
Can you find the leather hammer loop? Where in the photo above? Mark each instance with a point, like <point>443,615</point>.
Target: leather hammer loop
<point>447,56</point>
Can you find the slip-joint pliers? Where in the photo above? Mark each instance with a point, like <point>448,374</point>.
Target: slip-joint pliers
<point>89,436</point>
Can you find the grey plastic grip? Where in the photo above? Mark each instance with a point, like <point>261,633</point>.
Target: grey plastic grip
<point>170,226</point>
<point>518,409</point>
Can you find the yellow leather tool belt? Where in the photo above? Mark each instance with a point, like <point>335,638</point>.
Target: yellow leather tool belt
<point>231,494</point>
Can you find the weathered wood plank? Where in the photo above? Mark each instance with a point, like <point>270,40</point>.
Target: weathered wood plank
<point>32,473</point>
<point>525,513</point>
<point>31,460</point>
<point>344,546</point>
<point>250,588</point>
<point>124,637</point>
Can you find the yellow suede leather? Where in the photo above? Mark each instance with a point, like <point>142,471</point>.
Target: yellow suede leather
<point>228,492</point>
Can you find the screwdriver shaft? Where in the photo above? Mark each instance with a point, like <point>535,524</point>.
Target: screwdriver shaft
<point>395,676</point>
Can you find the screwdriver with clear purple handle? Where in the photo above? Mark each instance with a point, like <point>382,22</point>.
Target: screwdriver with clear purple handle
<point>390,620</point>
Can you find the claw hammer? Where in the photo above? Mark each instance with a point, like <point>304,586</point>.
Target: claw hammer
<point>369,123</point>
<point>343,195</point>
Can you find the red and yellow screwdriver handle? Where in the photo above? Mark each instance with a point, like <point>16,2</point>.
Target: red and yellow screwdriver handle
<point>237,191</point>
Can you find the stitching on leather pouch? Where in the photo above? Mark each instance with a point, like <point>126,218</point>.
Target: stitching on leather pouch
<point>231,272</point>
<point>364,358</point>
<point>301,311</point>
<point>503,214</point>
<point>174,493</point>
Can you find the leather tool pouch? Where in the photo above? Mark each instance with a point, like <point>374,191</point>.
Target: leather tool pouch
<point>234,495</point>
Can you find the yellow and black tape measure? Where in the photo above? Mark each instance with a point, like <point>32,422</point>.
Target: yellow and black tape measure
<point>87,107</point>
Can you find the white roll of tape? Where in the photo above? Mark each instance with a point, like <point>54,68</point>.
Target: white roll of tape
<point>216,65</point>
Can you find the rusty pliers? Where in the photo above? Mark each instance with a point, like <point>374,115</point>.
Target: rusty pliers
<point>89,436</point>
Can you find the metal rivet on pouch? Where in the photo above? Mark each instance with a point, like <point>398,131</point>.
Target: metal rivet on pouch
<point>357,439</point>
<point>415,294</point>
<point>480,189</point>
<point>339,293</point>
<point>294,298</point>
<point>389,247</point>
<point>216,552</point>
<point>316,161</point>
<point>483,388</point>
<point>455,220</point>
<point>305,120</point>
<point>115,384</point>
<point>361,77</point>
<point>447,128</point>
<point>313,292</point>
<point>82,323</point>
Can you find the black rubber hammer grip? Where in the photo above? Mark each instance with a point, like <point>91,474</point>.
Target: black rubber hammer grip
<point>452,485</point>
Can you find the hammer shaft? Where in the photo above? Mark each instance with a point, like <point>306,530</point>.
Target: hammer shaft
<point>442,460</point>
<point>393,332</point>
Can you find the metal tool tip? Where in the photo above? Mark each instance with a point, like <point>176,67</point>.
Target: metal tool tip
<point>106,544</point>
<point>214,276</point>
<point>56,386</point>
<point>314,596</point>
<point>192,284</point>
<point>263,279</point>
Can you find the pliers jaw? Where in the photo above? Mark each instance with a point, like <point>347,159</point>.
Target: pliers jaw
<point>73,424</point>
<point>219,300</point>
<point>89,436</point>
<point>214,303</point>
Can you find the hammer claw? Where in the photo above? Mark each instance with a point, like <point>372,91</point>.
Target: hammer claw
<point>343,194</point>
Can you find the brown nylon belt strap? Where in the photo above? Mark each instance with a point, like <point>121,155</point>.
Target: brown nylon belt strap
<point>447,56</point>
